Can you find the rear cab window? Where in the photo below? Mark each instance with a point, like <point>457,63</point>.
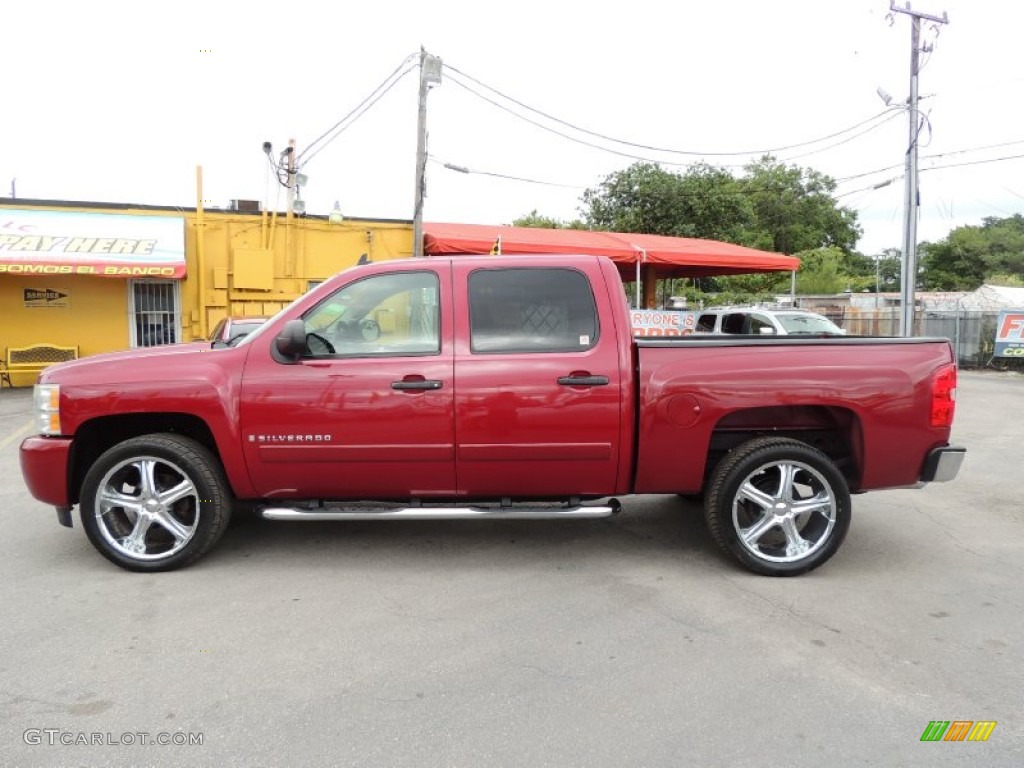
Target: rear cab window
<point>531,310</point>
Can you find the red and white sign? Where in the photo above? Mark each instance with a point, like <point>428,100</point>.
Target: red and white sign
<point>662,322</point>
<point>47,242</point>
<point>1010,334</point>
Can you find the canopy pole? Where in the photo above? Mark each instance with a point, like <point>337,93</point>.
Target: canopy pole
<point>650,292</point>
<point>642,257</point>
<point>636,298</point>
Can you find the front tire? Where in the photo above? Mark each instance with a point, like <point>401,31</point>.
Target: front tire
<point>155,503</point>
<point>779,506</point>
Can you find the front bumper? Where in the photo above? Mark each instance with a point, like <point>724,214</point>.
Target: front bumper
<point>44,466</point>
<point>943,464</point>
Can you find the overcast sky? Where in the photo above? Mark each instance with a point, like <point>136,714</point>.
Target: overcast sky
<point>112,101</point>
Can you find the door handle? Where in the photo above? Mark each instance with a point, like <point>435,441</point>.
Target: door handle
<point>417,384</point>
<point>584,380</point>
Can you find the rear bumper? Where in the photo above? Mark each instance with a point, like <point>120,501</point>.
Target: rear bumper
<point>943,464</point>
<point>44,465</point>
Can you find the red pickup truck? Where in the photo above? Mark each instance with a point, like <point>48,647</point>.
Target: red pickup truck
<point>486,387</point>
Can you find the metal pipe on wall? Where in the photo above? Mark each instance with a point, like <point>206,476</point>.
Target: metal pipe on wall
<point>200,252</point>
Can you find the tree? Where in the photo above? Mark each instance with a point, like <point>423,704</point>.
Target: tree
<point>820,271</point>
<point>1005,250</point>
<point>704,202</point>
<point>972,255</point>
<point>795,210</point>
<point>774,207</point>
<point>1016,281</point>
<point>890,270</point>
<point>536,220</point>
<point>954,264</point>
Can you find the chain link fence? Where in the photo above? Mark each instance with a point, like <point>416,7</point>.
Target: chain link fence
<point>972,333</point>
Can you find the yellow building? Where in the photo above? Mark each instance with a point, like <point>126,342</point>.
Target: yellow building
<point>104,277</point>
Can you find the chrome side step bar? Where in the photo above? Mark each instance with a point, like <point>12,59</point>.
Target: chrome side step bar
<point>503,512</point>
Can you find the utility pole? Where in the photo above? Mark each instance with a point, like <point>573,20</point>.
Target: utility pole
<point>289,257</point>
<point>291,176</point>
<point>430,74</point>
<point>910,199</point>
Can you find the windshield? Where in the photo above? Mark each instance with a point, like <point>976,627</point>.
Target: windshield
<point>808,324</point>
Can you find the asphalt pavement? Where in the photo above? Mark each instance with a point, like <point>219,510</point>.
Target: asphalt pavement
<point>622,642</point>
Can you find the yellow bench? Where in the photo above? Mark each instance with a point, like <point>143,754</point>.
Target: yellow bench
<point>28,362</point>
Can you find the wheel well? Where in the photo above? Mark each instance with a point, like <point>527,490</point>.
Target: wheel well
<point>834,431</point>
<point>97,435</point>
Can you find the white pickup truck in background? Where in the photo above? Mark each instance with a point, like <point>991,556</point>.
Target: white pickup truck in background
<point>763,321</point>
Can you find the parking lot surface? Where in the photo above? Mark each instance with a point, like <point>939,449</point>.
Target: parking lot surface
<point>622,642</point>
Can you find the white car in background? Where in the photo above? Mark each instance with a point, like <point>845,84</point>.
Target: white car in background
<point>760,321</point>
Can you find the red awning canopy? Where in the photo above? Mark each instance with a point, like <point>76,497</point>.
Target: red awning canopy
<point>668,256</point>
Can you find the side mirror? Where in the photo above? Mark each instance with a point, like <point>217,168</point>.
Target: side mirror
<point>291,341</point>
<point>766,331</point>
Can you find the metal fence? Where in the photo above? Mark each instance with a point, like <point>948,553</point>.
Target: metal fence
<point>972,333</point>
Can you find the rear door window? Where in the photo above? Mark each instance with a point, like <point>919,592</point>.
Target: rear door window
<point>531,310</point>
<point>733,322</point>
<point>706,324</point>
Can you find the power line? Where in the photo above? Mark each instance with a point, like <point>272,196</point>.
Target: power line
<point>464,169</point>
<point>703,194</point>
<point>932,157</point>
<point>741,189</point>
<point>872,188</point>
<point>386,85</point>
<point>973,162</point>
<point>628,155</point>
<point>549,129</point>
<point>887,182</point>
<point>653,148</point>
<point>844,141</point>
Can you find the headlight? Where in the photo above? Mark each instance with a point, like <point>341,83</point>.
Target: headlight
<point>46,398</point>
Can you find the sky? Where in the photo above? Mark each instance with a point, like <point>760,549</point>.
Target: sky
<point>121,101</point>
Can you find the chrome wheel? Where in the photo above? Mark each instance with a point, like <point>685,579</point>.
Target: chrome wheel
<point>147,508</point>
<point>784,512</point>
<point>778,505</point>
<point>155,502</point>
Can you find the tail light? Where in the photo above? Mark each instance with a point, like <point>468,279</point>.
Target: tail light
<point>943,396</point>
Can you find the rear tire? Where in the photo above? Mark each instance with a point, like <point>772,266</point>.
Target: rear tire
<point>779,506</point>
<point>155,503</point>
